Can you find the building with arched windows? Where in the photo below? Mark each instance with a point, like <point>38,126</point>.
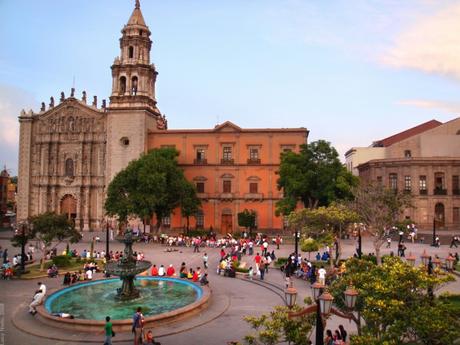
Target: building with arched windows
<point>424,161</point>
<point>70,151</point>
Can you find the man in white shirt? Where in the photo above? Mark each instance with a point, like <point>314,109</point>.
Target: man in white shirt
<point>322,276</point>
<point>161,271</point>
<point>42,287</point>
<point>37,300</point>
<point>89,274</point>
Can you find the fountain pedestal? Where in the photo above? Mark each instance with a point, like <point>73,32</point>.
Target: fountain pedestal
<point>127,268</point>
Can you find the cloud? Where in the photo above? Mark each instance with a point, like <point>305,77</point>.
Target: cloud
<point>449,107</point>
<point>431,44</point>
<point>12,100</point>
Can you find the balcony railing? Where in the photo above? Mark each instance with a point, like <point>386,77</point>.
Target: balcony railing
<point>456,191</point>
<point>226,196</point>
<point>200,161</point>
<point>440,191</point>
<point>253,196</point>
<point>253,160</point>
<point>423,192</point>
<point>226,161</point>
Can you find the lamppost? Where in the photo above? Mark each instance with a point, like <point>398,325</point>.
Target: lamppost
<point>411,260</point>
<point>425,257</point>
<point>107,255</point>
<point>450,262</point>
<point>23,246</point>
<point>290,295</point>
<point>323,307</point>
<point>433,244</point>
<point>360,250</point>
<point>296,235</point>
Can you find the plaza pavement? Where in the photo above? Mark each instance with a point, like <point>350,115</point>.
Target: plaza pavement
<point>222,322</point>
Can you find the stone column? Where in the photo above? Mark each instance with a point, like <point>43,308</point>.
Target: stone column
<point>86,214</point>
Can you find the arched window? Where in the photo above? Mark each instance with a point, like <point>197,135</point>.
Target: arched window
<point>134,86</point>
<point>200,219</point>
<point>69,171</point>
<point>122,85</point>
<point>131,52</point>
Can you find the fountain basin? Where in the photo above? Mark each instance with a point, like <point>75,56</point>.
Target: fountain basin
<point>163,300</point>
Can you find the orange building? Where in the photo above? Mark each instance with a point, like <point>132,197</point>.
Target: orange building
<point>233,169</point>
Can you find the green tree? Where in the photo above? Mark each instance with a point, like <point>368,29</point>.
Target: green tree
<point>394,303</point>
<point>190,203</point>
<point>315,176</point>
<point>309,245</point>
<point>324,224</point>
<point>49,230</point>
<point>379,208</point>
<point>277,328</point>
<point>151,185</point>
<point>247,218</point>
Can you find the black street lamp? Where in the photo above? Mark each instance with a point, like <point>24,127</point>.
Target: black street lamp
<point>360,249</point>
<point>434,244</point>
<point>107,255</point>
<point>296,235</point>
<point>23,248</point>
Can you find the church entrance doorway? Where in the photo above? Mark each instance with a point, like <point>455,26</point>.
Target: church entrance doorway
<point>69,207</point>
<point>439,214</point>
<point>226,225</point>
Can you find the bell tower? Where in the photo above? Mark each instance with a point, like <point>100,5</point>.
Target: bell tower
<point>132,113</point>
<point>133,77</point>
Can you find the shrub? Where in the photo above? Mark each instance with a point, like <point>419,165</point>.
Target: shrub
<point>242,270</point>
<point>280,261</point>
<point>62,261</point>
<point>196,233</point>
<point>309,245</point>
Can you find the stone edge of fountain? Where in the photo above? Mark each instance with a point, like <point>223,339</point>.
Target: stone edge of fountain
<point>88,325</point>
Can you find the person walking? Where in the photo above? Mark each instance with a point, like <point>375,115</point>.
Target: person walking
<point>138,325</point>
<point>322,275</point>
<point>205,260</point>
<point>454,241</point>
<point>108,331</point>
<point>389,242</point>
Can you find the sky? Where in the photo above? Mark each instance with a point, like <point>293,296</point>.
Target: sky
<point>350,71</point>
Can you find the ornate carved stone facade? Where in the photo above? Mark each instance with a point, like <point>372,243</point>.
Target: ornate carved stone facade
<point>64,163</point>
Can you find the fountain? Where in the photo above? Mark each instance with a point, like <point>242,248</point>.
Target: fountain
<point>163,300</point>
<point>127,268</point>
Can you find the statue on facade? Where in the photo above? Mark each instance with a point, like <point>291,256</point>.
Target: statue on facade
<point>83,96</point>
<point>51,102</point>
<point>62,97</point>
<point>104,104</point>
<point>43,107</point>
<point>95,101</point>
<point>72,92</point>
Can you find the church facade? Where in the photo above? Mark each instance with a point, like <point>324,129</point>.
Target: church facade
<point>71,149</point>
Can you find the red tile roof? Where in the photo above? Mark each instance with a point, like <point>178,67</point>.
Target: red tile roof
<point>407,133</point>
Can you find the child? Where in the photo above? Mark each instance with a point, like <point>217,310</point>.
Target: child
<point>250,273</point>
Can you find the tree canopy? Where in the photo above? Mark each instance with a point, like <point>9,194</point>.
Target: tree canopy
<point>395,305</point>
<point>323,224</point>
<point>247,218</point>
<point>47,229</point>
<point>379,208</point>
<point>151,185</point>
<point>315,176</point>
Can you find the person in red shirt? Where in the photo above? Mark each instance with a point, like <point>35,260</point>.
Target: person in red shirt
<point>222,253</point>
<point>257,260</point>
<point>195,277</point>
<point>154,271</point>
<point>170,271</point>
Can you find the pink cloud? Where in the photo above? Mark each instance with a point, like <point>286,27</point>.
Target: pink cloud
<point>431,44</point>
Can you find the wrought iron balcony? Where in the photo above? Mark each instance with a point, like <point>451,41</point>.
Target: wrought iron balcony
<point>200,161</point>
<point>440,191</point>
<point>253,161</point>
<point>456,191</point>
<point>226,161</point>
<point>423,192</point>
